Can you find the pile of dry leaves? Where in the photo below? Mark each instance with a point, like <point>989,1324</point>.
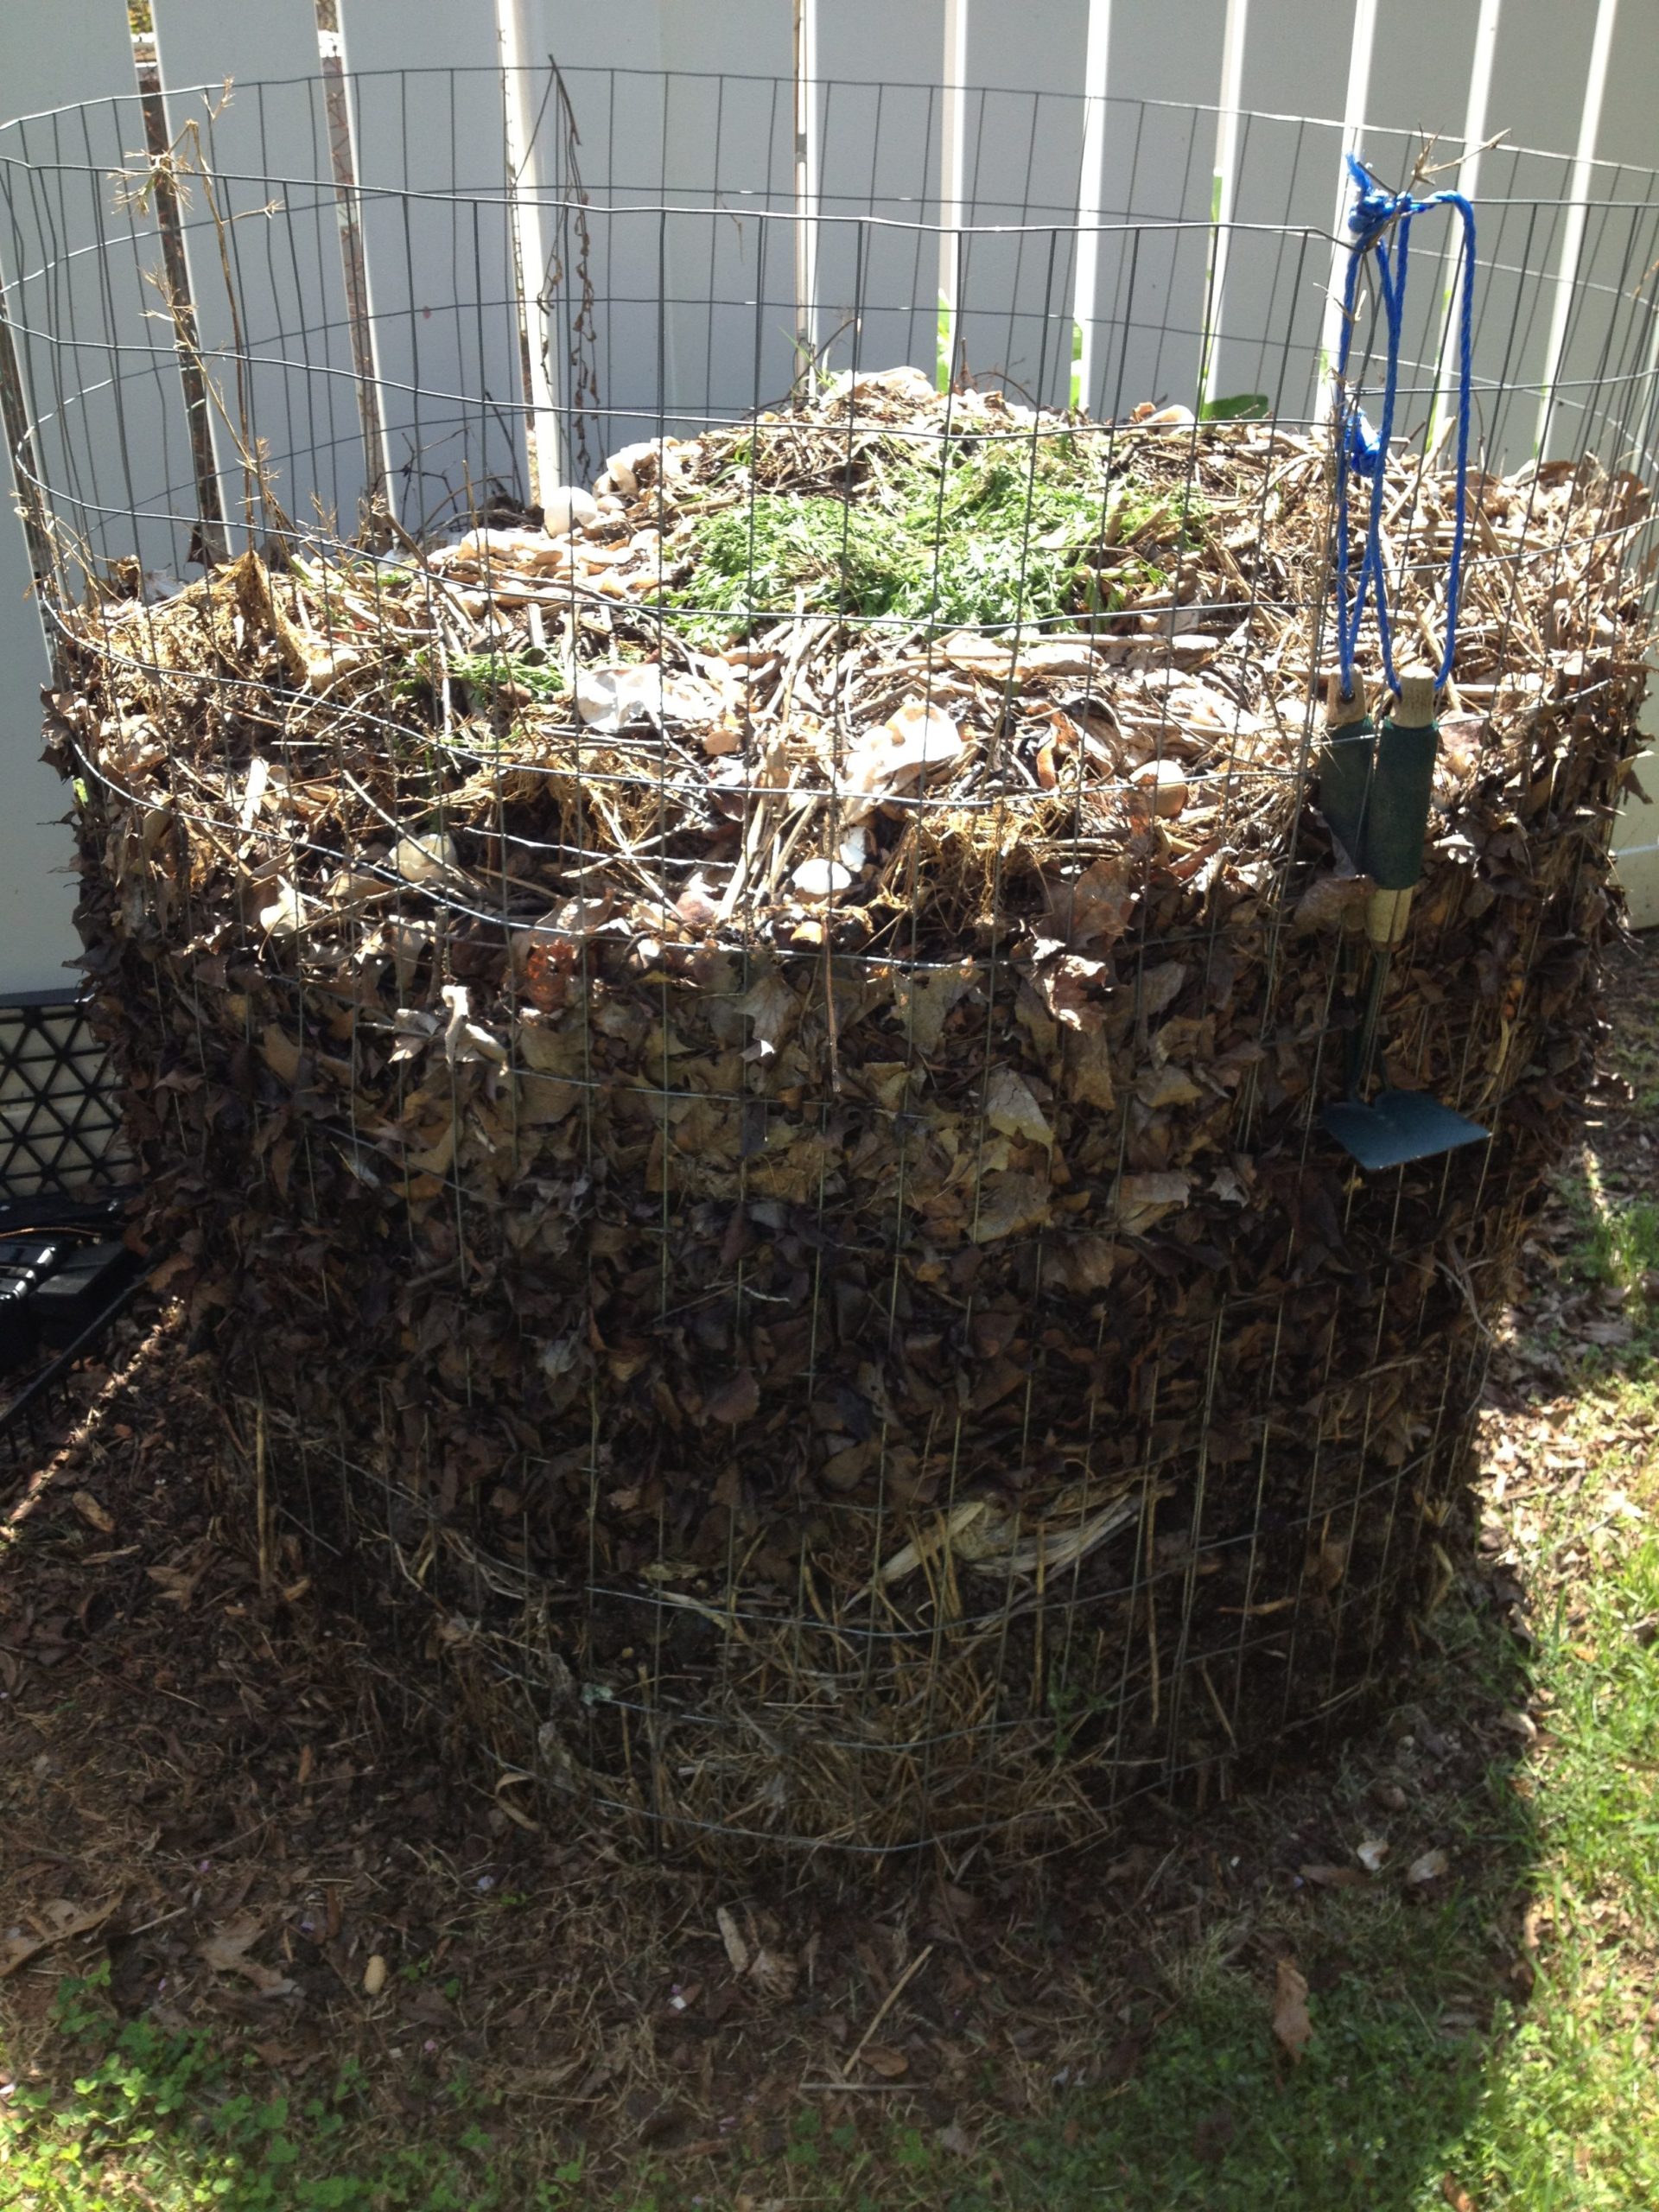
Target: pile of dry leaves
<point>745,1099</point>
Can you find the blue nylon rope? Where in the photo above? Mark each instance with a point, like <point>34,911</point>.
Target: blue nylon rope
<point>1364,452</point>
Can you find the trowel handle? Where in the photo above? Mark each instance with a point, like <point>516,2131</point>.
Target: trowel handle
<point>1397,815</point>
<point>1386,915</point>
<point>1347,763</point>
<point>1418,688</point>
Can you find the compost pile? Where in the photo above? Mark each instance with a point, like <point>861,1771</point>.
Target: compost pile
<point>738,1074</point>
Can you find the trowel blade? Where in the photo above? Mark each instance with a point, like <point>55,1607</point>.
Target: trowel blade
<point>1399,1126</point>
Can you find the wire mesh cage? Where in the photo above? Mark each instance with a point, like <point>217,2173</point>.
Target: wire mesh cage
<point>740,1056</point>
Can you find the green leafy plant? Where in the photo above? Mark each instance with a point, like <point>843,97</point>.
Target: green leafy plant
<point>486,675</point>
<point>1621,1245</point>
<point>986,536</point>
<point>486,672</point>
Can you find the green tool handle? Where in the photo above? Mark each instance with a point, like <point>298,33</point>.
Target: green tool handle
<point>1376,788</point>
<point>1347,766</point>
<point>1390,809</point>
<point>1403,786</point>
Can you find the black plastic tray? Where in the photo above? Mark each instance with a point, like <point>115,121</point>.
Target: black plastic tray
<point>41,1407</point>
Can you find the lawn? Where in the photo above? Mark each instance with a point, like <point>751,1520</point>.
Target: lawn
<point>1425,1975</point>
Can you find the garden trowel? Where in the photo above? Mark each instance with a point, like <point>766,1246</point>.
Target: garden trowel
<point>1375,788</point>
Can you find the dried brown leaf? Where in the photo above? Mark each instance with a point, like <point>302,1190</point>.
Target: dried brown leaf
<point>281,1054</point>
<point>924,1000</point>
<point>1072,989</point>
<point>774,1974</point>
<point>1011,1107</point>
<point>1291,2023</point>
<point>1095,908</point>
<point>1330,900</point>
<point>226,1952</point>
<point>737,1951</point>
<point>1082,1263</point>
<point>1009,1205</point>
<point>737,1399</point>
<point>178,1583</point>
<point>1327,1562</point>
<point>58,1920</point>
<point>881,2058</point>
<point>1144,1199</point>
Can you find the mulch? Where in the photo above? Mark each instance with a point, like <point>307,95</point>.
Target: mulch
<point>239,1795</point>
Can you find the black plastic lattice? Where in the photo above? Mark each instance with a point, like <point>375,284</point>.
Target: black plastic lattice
<point>60,1137</point>
<point>59,1119</point>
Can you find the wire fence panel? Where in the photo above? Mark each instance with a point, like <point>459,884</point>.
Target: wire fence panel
<point>881,134</point>
<point>1538,92</point>
<point>713,140</point>
<point>266,279</point>
<point>106,418</point>
<point>1624,138</point>
<point>1159,183</point>
<point>1274,186</point>
<point>1022,165</point>
<point>736,134</point>
<point>84,54</point>
<point>428,115</point>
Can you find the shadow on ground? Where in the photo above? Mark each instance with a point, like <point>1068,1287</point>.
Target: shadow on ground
<point>220,1807</point>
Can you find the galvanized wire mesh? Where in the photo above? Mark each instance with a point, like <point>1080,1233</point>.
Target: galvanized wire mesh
<point>741,1081</point>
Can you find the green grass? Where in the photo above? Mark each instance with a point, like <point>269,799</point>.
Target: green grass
<point>1602,1809</point>
<point>1420,2087</point>
<point>991,538</point>
<point>1552,2106</point>
<point>1621,1244</point>
<point>145,2117</point>
<point>1569,2116</point>
<point>1239,407</point>
<point>1417,2086</point>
